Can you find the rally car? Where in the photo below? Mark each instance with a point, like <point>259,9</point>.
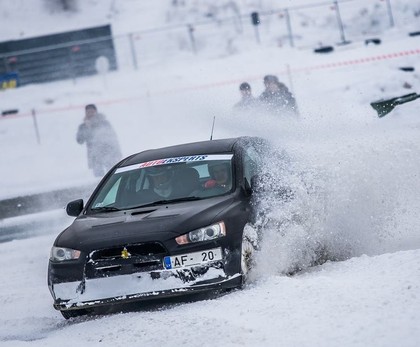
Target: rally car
<point>162,222</point>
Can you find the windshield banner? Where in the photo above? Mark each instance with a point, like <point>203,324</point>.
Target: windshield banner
<point>176,160</point>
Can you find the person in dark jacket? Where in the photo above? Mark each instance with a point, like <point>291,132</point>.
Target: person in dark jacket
<point>103,149</point>
<point>277,98</point>
<point>247,99</point>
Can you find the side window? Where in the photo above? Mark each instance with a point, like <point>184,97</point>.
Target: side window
<point>251,159</point>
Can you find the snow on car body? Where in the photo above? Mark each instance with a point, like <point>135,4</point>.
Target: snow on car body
<point>130,243</point>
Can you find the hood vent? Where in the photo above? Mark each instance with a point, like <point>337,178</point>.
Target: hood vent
<point>142,212</point>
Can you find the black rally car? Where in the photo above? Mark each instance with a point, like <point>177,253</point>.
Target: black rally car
<point>162,222</point>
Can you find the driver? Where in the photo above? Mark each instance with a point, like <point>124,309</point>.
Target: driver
<point>161,180</point>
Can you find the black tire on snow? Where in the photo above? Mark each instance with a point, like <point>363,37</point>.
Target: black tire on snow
<point>247,256</point>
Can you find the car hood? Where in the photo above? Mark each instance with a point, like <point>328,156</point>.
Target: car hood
<point>147,224</point>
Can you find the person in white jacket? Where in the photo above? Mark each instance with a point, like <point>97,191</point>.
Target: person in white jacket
<point>103,149</point>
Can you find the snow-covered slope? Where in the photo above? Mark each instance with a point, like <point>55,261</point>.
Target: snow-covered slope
<point>46,16</point>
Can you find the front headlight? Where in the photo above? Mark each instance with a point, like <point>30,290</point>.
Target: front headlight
<point>211,232</point>
<point>63,254</point>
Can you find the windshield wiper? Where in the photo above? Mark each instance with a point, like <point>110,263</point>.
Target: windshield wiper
<point>105,209</point>
<point>168,201</point>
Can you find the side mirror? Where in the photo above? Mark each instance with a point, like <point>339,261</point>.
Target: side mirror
<point>74,208</point>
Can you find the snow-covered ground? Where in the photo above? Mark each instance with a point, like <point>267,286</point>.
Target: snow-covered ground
<point>366,169</point>
<point>365,301</point>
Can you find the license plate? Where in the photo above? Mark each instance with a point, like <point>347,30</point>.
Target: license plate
<point>190,259</point>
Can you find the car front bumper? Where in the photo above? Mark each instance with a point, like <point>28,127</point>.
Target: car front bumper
<point>141,286</point>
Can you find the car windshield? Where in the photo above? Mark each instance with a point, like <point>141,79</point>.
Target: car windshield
<point>163,181</point>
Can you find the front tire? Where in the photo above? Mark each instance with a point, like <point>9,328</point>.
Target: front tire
<point>248,248</point>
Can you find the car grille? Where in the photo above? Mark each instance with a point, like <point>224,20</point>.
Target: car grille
<point>125,260</point>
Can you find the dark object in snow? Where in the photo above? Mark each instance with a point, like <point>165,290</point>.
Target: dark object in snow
<point>383,107</point>
<point>162,222</point>
<point>414,33</point>
<point>374,41</point>
<point>255,18</point>
<point>9,112</point>
<point>407,68</point>
<point>325,49</point>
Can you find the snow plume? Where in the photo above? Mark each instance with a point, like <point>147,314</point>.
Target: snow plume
<point>291,205</point>
<point>331,199</point>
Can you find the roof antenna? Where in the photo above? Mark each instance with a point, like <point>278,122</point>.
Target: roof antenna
<point>212,128</point>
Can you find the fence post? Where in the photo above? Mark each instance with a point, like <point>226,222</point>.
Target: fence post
<point>190,29</point>
<point>289,27</point>
<point>289,76</point>
<point>292,89</point>
<point>38,139</point>
<point>391,16</point>
<point>340,22</point>
<point>133,51</point>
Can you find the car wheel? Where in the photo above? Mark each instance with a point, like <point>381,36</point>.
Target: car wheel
<point>248,248</point>
<point>74,313</point>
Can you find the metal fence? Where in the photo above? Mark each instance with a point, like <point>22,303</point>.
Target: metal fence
<point>310,26</point>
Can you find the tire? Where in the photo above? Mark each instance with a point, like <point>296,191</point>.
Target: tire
<point>248,248</point>
<point>74,313</point>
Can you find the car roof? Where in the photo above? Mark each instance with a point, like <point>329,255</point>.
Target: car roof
<point>194,148</point>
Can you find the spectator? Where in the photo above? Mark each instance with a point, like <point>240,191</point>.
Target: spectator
<point>247,101</point>
<point>277,98</point>
<point>103,150</point>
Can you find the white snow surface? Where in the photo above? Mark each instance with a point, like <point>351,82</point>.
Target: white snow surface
<point>364,172</point>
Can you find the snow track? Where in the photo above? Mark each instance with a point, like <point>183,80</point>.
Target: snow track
<point>358,302</point>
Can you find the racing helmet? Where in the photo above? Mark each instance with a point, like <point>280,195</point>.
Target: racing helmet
<point>161,179</point>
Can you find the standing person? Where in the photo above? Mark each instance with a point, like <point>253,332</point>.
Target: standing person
<point>276,97</point>
<point>247,99</point>
<point>103,150</point>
